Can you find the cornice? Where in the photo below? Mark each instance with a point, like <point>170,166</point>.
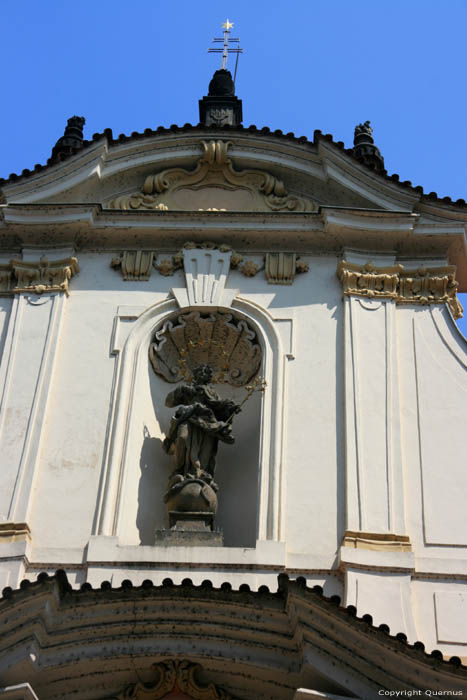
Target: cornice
<point>340,162</point>
<point>326,231</point>
<point>343,167</point>
<point>275,634</point>
<point>86,165</point>
<point>103,160</point>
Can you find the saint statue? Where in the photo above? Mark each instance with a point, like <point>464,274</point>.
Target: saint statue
<point>200,421</point>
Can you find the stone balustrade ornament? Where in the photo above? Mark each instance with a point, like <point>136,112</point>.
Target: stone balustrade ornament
<point>414,286</point>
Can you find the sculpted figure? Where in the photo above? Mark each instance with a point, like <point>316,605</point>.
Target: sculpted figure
<point>200,421</point>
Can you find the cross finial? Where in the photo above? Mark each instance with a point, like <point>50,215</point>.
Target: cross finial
<point>226,40</point>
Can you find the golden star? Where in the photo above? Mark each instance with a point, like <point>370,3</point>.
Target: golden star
<point>227,25</point>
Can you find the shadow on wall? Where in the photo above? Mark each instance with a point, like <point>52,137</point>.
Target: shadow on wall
<point>151,489</point>
<point>237,473</point>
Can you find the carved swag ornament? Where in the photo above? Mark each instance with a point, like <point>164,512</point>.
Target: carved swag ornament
<point>136,265</point>
<point>180,189</point>
<point>173,677</point>
<point>422,286</point>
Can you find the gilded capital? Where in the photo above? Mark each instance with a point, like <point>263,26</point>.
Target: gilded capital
<point>38,276</point>
<point>435,285</point>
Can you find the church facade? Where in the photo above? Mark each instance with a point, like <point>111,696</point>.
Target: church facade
<point>289,521</point>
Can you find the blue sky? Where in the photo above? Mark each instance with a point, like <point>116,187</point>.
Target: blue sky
<point>308,64</point>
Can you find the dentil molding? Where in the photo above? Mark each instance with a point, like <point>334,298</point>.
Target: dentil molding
<point>435,285</point>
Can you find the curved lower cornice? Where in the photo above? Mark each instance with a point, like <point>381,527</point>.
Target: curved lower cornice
<point>255,645</point>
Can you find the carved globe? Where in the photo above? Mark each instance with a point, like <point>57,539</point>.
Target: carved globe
<point>191,495</point>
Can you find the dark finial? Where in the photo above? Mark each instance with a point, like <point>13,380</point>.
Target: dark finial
<point>222,84</point>
<point>364,147</point>
<point>363,130</point>
<point>221,107</point>
<point>72,139</point>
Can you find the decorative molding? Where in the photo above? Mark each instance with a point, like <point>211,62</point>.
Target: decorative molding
<point>368,280</point>
<point>206,273</point>
<point>38,277</point>
<point>216,179</point>
<point>136,265</point>
<point>14,532</point>
<point>435,285</point>
<point>109,520</point>
<point>22,691</point>
<point>174,676</point>
<point>227,344</point>
<point>281,268</point>
<point>6,278</point>
<point>376,541</point>
<point>421,286</point>
<point>255,656</point>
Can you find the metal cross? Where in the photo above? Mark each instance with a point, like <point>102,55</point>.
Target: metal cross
<point>226,40</point>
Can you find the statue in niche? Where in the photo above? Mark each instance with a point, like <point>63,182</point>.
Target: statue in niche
<point>201,349</point>
<point>200,421</point>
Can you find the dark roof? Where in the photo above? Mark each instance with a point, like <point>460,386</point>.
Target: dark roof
<point>173,129</point>
<point>244,595</point>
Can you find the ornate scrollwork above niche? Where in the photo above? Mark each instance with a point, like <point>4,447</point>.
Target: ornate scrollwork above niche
<point>226,343</point>
<point>173,676</point>
<point>214,185</point>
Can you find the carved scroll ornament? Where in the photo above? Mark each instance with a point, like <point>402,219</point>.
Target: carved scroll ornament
<point>37,277</point>
<point>281,268</point>
<point>136,265</point>
<point>421,286</point>
<point>215,181</point>
<point>227,344</point>
<point>174,676</point>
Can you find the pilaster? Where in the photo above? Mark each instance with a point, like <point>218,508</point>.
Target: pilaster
<point>375,554</point>
<point>39,288</point>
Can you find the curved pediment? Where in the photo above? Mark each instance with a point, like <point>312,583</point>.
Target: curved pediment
<point>186,170</point>
<point>213,185</point>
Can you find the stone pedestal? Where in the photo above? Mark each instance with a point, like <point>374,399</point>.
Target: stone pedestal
<point>188,529</point>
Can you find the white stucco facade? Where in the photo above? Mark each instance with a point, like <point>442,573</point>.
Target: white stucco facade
<point>349,470</point>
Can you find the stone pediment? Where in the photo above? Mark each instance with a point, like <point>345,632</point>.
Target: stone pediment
<point>214,184</point>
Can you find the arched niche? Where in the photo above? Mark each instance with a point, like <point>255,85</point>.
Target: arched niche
<point>135,435</point>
